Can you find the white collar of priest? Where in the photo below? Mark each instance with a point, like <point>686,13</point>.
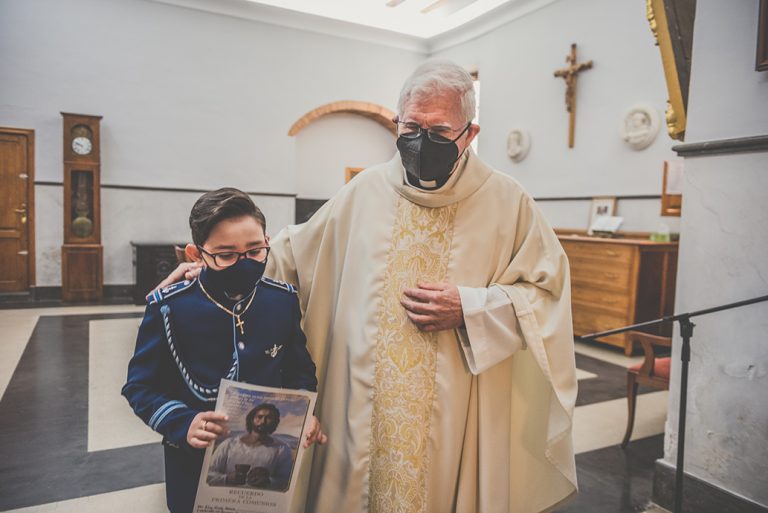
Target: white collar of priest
<point>427,185</point>
<point>433,185</point>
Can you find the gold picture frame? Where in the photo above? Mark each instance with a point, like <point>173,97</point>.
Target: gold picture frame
<point>671,22</point>
<point>351,172</point>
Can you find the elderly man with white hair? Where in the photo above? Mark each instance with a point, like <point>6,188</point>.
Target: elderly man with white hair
<point>436,306</point>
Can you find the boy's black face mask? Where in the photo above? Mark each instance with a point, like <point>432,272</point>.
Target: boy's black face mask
<point>237,279</point>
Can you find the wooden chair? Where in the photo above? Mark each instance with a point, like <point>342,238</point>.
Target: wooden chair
<point>652,372</point>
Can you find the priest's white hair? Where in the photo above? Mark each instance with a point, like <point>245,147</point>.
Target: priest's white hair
<point>437,77</point>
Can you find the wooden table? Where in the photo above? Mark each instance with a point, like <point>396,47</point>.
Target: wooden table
<point>617,282</point>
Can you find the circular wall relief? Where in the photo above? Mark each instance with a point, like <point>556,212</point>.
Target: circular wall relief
<point>518,144</point>
<point>640,126</point>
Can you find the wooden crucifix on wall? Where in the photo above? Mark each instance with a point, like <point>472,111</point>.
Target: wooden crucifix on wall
<point>570,74</point>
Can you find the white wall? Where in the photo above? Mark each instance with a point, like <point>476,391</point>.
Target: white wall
<point>640,215</point>
<point>189,99</point>
<point>516,64</point>
<point>723,259</point>
<point>198,100</point>
<point>331,144</point>
<point>128,217</point>
<point>728,97</point>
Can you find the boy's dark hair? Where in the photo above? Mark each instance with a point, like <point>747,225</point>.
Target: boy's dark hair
<point>216,206</point>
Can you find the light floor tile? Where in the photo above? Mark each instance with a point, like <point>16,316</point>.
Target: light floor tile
<point>606,354</point>
<point>603,424</point>
<point>145,499</point>
<point>582,374</point>
<point>17,326</point>
<point>113,425</point>
<point>73,310</point>
<point>16,330</point>
<point>111,422</point>
<point>655,509</point>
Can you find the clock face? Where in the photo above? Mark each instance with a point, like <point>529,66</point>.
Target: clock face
<point>81,145</point>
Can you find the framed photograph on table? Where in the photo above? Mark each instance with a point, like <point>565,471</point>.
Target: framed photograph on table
<point>601,206</point>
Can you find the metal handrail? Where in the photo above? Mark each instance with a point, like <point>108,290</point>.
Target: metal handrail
<point>672,318</point>
<point>686,332</point>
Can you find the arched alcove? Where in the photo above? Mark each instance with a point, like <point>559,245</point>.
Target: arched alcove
<point>377,113</point>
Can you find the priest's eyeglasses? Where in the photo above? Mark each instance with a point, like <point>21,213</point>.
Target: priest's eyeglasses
<point>437,134</point>
<point>229,258</point>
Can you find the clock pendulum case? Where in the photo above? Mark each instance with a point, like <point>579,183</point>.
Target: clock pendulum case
<point>82,253</point>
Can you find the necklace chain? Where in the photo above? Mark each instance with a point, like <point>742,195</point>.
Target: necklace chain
<point>239,322</point>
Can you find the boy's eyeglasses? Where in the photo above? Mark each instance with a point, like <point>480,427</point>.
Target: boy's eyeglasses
<point>229,258</point>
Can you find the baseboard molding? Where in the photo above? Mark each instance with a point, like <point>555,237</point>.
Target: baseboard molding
<point>51,296</point>
<point>698,496</point>
<point>110,292</point>
<point>46,293</point>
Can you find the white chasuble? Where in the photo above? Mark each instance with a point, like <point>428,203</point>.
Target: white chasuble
<point>475,420</point>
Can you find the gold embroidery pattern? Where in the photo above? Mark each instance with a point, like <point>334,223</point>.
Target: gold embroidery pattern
<point>406,362</point>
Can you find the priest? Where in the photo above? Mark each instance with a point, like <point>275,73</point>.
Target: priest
<point>436,305</point>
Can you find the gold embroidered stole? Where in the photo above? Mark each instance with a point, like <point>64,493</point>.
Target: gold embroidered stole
<point>406,362</point>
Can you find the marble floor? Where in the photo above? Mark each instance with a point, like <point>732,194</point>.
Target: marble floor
<point>70,443</point>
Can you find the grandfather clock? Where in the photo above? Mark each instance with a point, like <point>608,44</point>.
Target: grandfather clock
<point>81,254</point>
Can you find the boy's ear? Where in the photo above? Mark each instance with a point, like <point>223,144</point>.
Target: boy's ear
<point>193,254</point>
<point>266,238</point>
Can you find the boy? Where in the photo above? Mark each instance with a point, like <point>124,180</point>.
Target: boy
<point>231,322</point>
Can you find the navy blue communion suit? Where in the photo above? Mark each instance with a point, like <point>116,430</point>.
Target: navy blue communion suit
<point>186,344</point>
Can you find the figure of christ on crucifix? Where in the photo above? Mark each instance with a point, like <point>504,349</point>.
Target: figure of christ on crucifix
<point>570,74</point>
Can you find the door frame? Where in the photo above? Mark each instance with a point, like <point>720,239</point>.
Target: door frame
<point>30,135</point>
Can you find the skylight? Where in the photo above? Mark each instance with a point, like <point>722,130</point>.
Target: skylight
<point>419,18</point>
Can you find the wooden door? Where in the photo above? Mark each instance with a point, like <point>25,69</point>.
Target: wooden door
<point>17,150</point>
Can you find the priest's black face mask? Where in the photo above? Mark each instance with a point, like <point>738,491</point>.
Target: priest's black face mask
<point>427,160</point>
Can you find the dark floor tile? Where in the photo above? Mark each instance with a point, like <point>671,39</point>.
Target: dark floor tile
<point>45,457</point>
<point>610,383</point>
<point>615,480</point>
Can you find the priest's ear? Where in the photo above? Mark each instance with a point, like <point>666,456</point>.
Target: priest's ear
<point>472,132</point>
<point>193,253</point>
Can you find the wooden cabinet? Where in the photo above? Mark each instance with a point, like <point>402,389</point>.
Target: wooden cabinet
<point>82,279</point>
<point>153,262</point>
<point>617,282</point>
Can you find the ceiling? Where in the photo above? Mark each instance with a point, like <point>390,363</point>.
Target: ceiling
<point>419,25</point>
<point>417,18</point>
